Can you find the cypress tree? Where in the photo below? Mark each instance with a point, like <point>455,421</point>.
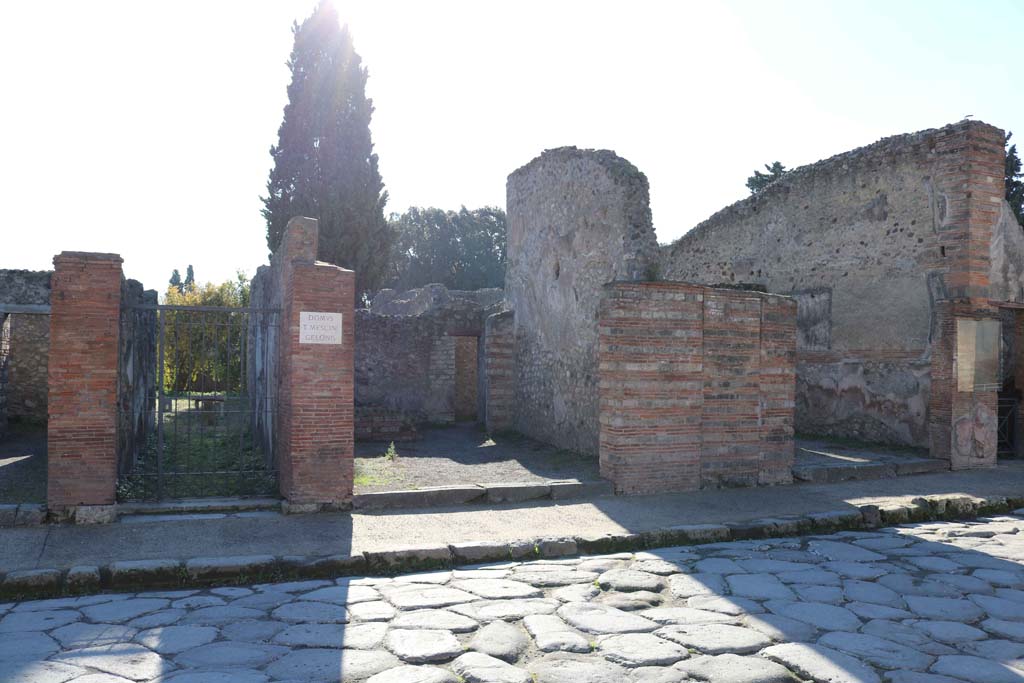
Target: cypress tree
<point>324,164</point>
<point>1014,181</point>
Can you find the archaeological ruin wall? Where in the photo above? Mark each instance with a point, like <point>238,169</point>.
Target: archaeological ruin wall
<point>24,345</point>
<point>577,219</point>
<point>418,359</point>
<point>870,243</point>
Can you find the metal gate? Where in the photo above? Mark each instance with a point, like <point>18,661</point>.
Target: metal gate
<point>197,402</point>
<point>1006,432</point>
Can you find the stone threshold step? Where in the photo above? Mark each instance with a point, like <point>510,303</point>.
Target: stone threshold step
<point>829,474</point>
<point>561,489</point>
<point>195,506</point>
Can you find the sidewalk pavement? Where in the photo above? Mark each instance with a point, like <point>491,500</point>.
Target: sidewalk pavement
<point>62,547</point>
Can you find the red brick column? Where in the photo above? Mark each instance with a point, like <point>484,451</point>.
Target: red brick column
<point>85,306</point>
<point>315,439</point>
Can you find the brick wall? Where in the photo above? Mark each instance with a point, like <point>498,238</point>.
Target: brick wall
<point>465,378</point>
<point>82,375</point>
<point>696,387</point>
<point>315,438</point>
<point>499,371</point>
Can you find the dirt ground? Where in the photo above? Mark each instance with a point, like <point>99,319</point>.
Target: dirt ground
<point>465,454</point>
<point>23,465</point>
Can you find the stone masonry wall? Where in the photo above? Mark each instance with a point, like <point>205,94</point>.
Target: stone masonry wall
<point>867,242</point>
<point>577,219</point>
<point>696,387</point>
<point>23,360</point>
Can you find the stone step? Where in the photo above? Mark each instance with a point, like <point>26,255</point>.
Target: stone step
<point>513,492</point>
<point>199,506</point>
<point>831,473</point>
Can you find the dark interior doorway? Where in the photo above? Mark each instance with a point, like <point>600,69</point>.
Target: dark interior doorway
<point>466,379</point>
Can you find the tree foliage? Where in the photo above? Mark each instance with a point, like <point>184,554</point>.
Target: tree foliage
<point>759,181</point>
<point>460,249</point>
<point>203,349</point>
<point>1014,181</point>
<point>324,164</point>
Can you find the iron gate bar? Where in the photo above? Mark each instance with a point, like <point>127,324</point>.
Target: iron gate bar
<point>201,309</point>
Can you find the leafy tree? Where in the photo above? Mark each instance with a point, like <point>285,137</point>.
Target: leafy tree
<point>190,277</point>
<point>1014,181</point>
<point>324,164</point>
<point>175,280</point>
<point>460,249</point>
<point>759,181</point>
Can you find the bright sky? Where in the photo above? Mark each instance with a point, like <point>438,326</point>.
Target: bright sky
<point>143,128</point>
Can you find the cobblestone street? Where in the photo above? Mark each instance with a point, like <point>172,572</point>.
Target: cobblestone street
<point>927,603</point>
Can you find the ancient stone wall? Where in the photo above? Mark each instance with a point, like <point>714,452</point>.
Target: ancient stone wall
<point>405,369</point>
<point>577,219</point>
<point>868,243</point>
<point>696,387</point>
<point>25,346</point>
<point>137,372</point>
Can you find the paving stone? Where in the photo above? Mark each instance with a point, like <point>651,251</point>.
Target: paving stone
<point>500,639</point>
<point>377,610</point>
<point>603,564</point>
<point>562,667</point>
<point>723,604</point>
<point>123,610</point>
<point>857,570</point>
<point>688,585</point>
<point>878,651</point>
<point>819,577</point>
<point>414,674</point>
<point>658,674</point>
<point>128,660</point>
<point>906,635</point>
<point>781,629</point>
<point>948,609</point>
<point>867,591</point>
<point>1005,593</point>
<point>821,664</point>
<point>843,552</point>
<point>870,610</point>
<point>319,664</point>
<point>229,654</point>
<point>215,616</point>
<point>294,586</point>
<point>251,630</point>
<point>1004,628</point>
<point>39,672</point>
<point>266,600</point>
<point>164,617</point>
<point>65,603</point>
<point>717,565</point>
<point>435,618</point>
<point>422,596</point>
<point>715,639</point>
<point>311,612</point>
<point>659,567</point>
<point>580,592</point>
<point>686,615</point>
<point>908,585</point>
<point>489,610</point>
<point>917,677</point>
<point>197,601</point>
<point>19,622</point>
<point>630,580</point>
<point>559,577</point>
<point>976,669</point>
<point>421,646</point>
<point>476,667</point>
<point>227,676</point>
<point>355,636</point>
<point>999,608</point>
<point>26,646</point>
<point>825,617</point>
<point>600,619</point>
<point>106,678</point>
<point>231,592</point>
<point>832,595</point>
<point>759,587</point>
<point>1001,577</point>
<point>951,632</point>
<point>730,668</point>
<point>170,640</point>
<point>551,634</point>
<point>79,635</point>
<point>437,578</point>
<point>498,589</point>
<point>640,649</point>
<point>630,602</point>
<point>343,595</point>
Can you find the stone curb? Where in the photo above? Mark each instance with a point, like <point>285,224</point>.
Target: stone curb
<point>207,571</point>
<point>555,489</point>
<point>23,514</point>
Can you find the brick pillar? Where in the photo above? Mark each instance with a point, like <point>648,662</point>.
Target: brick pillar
<point>315,440</point>
<point>499,371</point>
<point>82,431</point>
<point>778,389</point>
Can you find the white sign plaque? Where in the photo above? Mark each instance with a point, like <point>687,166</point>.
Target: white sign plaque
<point>318,327</point>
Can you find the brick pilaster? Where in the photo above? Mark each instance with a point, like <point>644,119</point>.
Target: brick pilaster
<point>499,371</point>
<point>82,376</point>
<point>315,439</point>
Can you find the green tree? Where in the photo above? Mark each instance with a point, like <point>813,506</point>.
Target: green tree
<point>759,181</point>
<point>324,164</point>
<point>175,280</point>
<point>460,249</point>
<point>190,278</point>
<point>1014,181</point>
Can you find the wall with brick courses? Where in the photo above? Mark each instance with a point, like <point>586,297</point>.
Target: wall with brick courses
<point>82,372</point>
<point>499,372</point>
<point>577,219</point>
<point>466,378</point>
<point>868,243</point>
<point>696,387</point>
<point>25,351</point>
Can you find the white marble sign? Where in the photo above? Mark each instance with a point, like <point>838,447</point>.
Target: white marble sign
<point>317,327</point>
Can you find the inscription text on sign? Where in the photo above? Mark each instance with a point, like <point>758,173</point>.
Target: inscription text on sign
<point>317,327</point>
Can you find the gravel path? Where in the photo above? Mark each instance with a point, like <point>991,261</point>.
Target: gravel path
<point>928,603</point>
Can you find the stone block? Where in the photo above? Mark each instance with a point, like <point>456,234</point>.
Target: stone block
<point>602,544</point>
<point>296,508</point>
<point>523,550</point>
<point>143,573</point>
<point>8,513</point>
<point>203,569</point>
<point>515,493</point>
<point>83,579</point>
<point>557,547</point>
<point>872,516</point>
<point>482,551</point>
<point>95,514</point>
<point>409,559</point>
<point>425,497</point>
<point>698,533</point>
<point>836,520</point>
<point>335,565</point>
<point>562,490</point>
<point>30,515</point>
<point>31,582</point>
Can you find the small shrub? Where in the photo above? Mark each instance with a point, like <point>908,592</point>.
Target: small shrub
<point>391,453</point>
